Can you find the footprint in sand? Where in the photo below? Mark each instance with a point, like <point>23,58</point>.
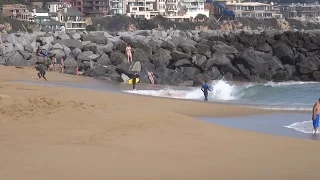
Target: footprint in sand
<point>2,96</point>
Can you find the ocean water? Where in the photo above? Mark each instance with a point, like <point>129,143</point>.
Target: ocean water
<point>290,96</point>
<point>281,96</point>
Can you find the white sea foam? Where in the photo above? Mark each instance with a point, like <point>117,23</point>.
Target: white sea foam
<point>304,126</point>
<point>289,83</point>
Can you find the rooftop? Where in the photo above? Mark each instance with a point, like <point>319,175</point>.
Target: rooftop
<point>73,12</point>
<point>248,4</point>
<point>51,22</point>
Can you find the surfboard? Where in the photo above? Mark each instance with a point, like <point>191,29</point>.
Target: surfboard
<point>130,81</point>
<point>151,77</point>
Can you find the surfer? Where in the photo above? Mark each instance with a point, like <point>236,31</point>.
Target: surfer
<point>205,88</point>
<point>42,71</point>
<point>315,116</point>
<point>134,80</point>
<point>129,53</point>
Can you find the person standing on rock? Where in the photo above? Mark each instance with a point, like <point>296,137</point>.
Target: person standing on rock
<point>205,88</point>
<point>315,116</point>
<point>129,53</point>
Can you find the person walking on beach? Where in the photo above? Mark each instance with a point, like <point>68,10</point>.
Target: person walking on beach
<point>42,71</point>
<point>205,88</point>
<point>129,53</point>
<point>315,116</point>
<point>77,71</point>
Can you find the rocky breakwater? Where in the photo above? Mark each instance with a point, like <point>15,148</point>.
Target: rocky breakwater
<point>176,56</point>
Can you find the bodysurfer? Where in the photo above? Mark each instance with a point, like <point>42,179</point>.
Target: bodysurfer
<point>205,88</point>
<point>315,116</point>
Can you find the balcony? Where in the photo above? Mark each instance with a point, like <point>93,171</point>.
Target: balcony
<point>87,5</point>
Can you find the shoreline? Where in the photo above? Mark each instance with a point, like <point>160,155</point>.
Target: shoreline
<point>67,133</point>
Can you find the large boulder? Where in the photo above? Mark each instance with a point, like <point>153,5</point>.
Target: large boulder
<point>59,53</point>
<point>104,60</point>
<point>17,60</point>
<point>254,61</point>
<point>21,38</point>
<point>182,62</point>
<point>161,58</point>
<point>307,67</point>
<point>176,55</point>
<point>139,55</point>
<point>199,60</point>
<point>284,53</point>
<point>70,62</point>
<point>135,67</point>
<point>229,51</point>
<point>188,73</point>
<point>95,39</point>
<point>6,48</point>
<point>85,56</point>
<point>204,49</point>
<point>118,58</point>
<point>70,43</point>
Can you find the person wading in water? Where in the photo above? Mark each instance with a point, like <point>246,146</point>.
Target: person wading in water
<point>205,88</point>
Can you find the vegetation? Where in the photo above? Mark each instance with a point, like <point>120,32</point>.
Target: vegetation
<point>201,17</point>
<point>91,28</point>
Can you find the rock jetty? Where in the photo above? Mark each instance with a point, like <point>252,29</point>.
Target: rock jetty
<point>175,56</point>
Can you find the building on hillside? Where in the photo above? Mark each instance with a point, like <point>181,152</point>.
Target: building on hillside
<point>17,11</point>
<point>77,4</point>
<point>95,6</point>
<point>252,10</point>
<point>300,10</point>
<point>117,7</point>
<point>194,7</point>
<point>142,8</point>
<point>72,18</point>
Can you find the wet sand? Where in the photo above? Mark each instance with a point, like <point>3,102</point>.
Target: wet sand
<point>49,132</point>
<point>268,123</point>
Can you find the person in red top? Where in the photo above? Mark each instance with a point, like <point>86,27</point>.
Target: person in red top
<point>129,53</point>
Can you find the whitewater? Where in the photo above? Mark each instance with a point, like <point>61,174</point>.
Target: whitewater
<point>290,95</point>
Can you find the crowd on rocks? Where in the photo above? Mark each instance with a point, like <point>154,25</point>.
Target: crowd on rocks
<point>172,56</point>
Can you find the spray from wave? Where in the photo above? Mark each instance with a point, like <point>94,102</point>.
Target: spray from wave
<point>305,127</point>
<point>285,95</point>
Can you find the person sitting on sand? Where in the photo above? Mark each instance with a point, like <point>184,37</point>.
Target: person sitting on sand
<point>42,71</point>
<point>205,88</point>
<point>315,116</point>
<point>129,53</point>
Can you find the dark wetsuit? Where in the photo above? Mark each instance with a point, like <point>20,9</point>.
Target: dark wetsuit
<point>134,81</point>
<point>205,88</point>
<point>42,71</point>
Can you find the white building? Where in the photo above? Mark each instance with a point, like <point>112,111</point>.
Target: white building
<point>252,10</point>
<point>64,13</point>
<point>117,7</point>
<point>194,7</point>
<point>142,8</point>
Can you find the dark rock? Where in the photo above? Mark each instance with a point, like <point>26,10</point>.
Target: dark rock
<point>307,67</point>
<point>228,76</point>
<point>253,60</point>
<point>199,60</point>
<point>95,39</point>
<point>92,47</point>
<point>104,60</point>
<point>70,43</point>
<point>199,79</point>
<point>188,73</point>
<point>182,62</point>
<point>229,51</point>
<point>161,58</point>
<point>70,62</point>
<point>316,75</point>
<point>25,55</point>
<point>264,48</point>
<point>147,66</point>
<point>118,58</point>
<point>284,53</point>
<point>213,73</point>
<point>139,55</point>
<point>204,49</point>
<point>243,71</point>
<point>168,76</point>
<point>219,59</point>
<point>85,56</point>
<point>17,60</point>
<point>168,46</point>
<point>176,55</point>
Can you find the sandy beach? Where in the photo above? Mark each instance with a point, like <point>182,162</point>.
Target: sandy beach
<point>66,133</point>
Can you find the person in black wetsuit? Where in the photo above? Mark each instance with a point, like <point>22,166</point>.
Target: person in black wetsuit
<point>42,71</point>
<point>134,80</point>
<point>205,88</point>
